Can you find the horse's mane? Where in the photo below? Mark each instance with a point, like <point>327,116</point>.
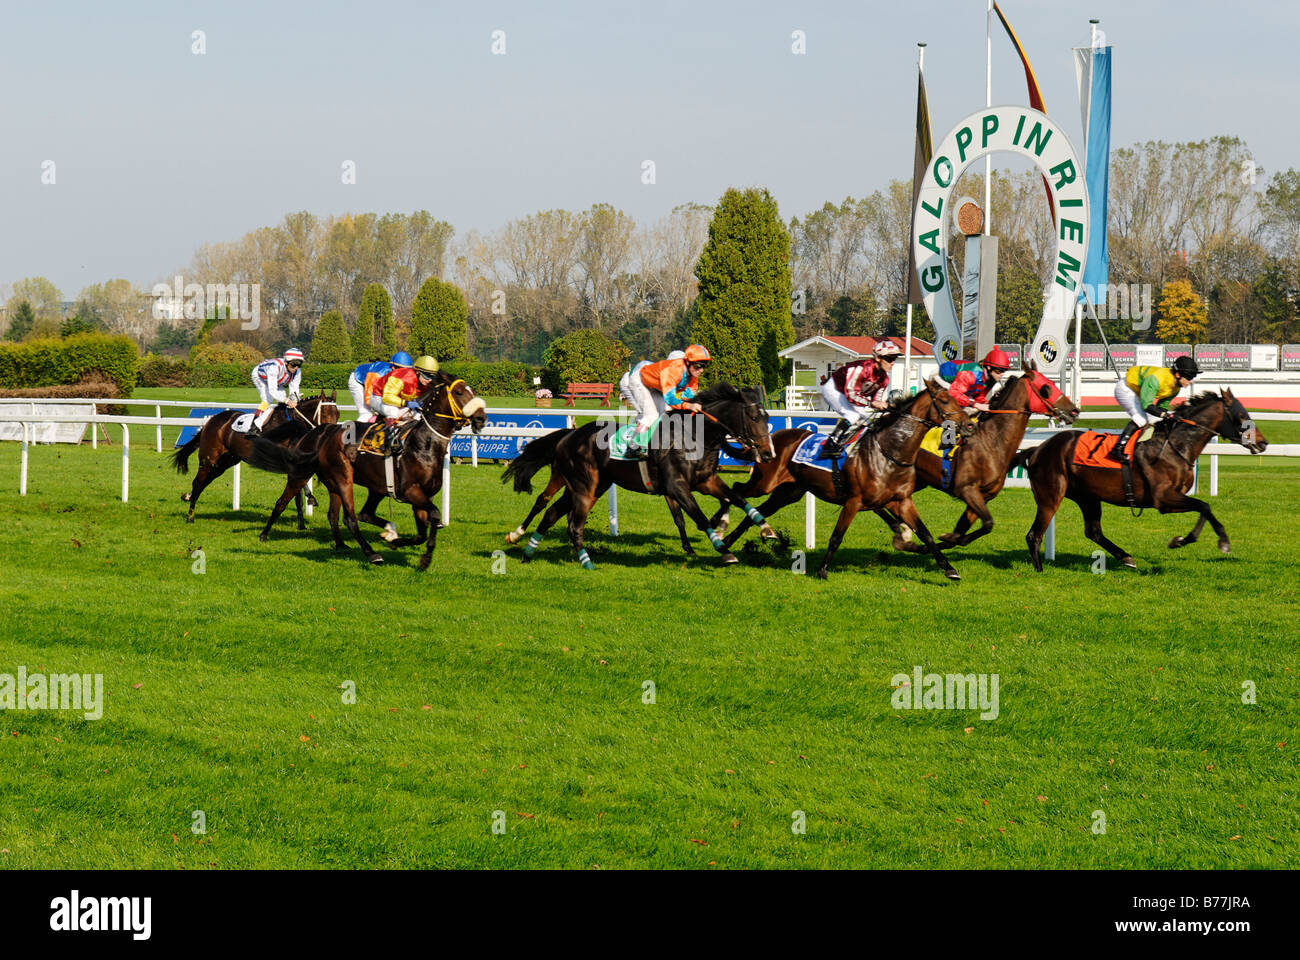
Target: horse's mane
<point>889,418</point>
<point>719,392</point>
<point>1199,400</point>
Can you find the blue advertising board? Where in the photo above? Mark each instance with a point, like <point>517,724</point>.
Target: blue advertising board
<point>187,433</point>
<point>506,448</point>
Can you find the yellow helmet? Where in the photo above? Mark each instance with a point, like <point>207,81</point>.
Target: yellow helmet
<point>426,364</point>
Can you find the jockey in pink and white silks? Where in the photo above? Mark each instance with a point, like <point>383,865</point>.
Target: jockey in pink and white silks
<point>277,381</point>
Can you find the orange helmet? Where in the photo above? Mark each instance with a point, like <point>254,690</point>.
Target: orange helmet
<point>697,354</point>
<point>996,358</point>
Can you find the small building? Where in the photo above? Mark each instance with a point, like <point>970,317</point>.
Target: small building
<point>816,357</point>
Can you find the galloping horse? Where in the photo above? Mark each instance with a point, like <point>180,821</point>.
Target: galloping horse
<point>582,465</point>
<point>880,474</point>
<point>979,466</point>
<point>1162,472</point>
<point>332,453</point>
<point>220,446</point>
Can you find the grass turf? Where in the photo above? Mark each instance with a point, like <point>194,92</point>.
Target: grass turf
<point>523,692</point>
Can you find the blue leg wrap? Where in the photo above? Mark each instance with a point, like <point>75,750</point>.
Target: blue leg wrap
<point>534,542</point>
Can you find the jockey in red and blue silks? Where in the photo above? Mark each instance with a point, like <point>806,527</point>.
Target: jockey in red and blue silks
<point>362,381</point>
<point>970,388</point>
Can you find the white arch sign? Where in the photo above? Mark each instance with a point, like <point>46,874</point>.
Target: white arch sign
<point>1031,134</point>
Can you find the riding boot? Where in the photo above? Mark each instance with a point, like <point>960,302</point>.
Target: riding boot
<point>1117,454</point>
<point>635,450</point>
<point>832,447</point>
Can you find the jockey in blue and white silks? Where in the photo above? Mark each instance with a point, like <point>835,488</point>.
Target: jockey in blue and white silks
<point>277,381</point>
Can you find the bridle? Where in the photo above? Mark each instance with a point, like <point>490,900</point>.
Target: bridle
<point>457,415</point>
<point>907,415</point>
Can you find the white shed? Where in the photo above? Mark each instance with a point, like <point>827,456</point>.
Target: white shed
<point>816,357</point>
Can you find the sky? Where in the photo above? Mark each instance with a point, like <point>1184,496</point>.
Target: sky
<point>158,150</point>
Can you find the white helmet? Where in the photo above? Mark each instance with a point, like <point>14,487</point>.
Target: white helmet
<point>886,349</point>
<point>677,355</point>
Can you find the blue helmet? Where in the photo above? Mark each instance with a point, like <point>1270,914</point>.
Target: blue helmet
<point>402,359</point>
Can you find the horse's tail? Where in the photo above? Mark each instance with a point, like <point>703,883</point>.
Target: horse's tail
<point>267,455</point>
<point>537,454</point>
<point>181,455</point>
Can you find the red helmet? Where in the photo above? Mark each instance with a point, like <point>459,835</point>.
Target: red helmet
<point>697,354</point>
<point>996,358</point>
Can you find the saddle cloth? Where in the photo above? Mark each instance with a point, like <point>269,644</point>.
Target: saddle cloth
<point>243,423</point>
<point>1094,447</point>
<point>809,454</point>
<point>623,436</point>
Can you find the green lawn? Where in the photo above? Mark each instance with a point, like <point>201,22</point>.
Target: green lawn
<point>522,692</point>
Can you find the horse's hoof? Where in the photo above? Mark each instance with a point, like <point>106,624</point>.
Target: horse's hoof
<point>262,538</point>
<point>311,502</point>
<point>689,551</point>
<point>821,574</point>
<point>424,562</point>
<point>376,559</point>
<point>1176,542</point>
<point>729,558</point>
<point>189,518</point>
<point>722,526</point>
<point>767,532</point>
<point>952,575</point>
<point>1130,563</point>
<point>185,498</point>
<point>1225,546</point>
<point>511,537</point>
<point>388,534</point>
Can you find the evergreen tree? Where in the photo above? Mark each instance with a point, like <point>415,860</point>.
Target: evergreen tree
<point>21,325</point>
<point>743,308</point>
<point>375,337</point>
<point>439,324</point>
<point>330,342</point>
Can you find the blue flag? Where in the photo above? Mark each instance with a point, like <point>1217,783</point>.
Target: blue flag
<point>1092,68</point>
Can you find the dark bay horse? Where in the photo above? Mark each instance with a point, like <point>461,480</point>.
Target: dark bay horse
<point>676,469</point>
<point>1162,472</point>
<point>880,474</point>
<point>220,447</point>
<point>980,464</point>
<point>332,453</point>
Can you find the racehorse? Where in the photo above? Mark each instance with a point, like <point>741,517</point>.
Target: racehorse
<point>220,446</point>
<point>979,465</point>
<point>1162,472</point>
<point>880,474</point>
<point>332,453</point>
<point>582,466</point>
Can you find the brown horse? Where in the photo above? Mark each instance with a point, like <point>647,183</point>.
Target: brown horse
<point>880,474</point>
<point>1162,472</point>
<point>220,446</point>
<point>332,453</point>
<point>979,466</point>
<point>676,468</point>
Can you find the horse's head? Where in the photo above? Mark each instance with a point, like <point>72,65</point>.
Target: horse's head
<point>1045,398</point>
<point>744,414</point>
<point>453,402</point>
<point>943,408</point>
<point>1235,423</point>
<point>321,409</point>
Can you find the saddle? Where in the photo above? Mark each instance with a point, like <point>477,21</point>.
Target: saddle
<point>385,439</point>
<point>933,443</point>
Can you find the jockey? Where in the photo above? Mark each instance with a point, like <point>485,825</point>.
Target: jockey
<point>277,381</point>
<point>655,388</point>
<point>362,380</point>
<point>948,370</point>
<point>970,388</point>
<point>1145,393</point>
<point>856,385</point>
<point>396,395</point>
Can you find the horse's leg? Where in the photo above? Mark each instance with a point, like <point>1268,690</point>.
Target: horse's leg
<point>906,511</point>
<point>976,507</point>
<point>959,529</point>
<point>556,510</point>
<point>847,513</point>
<point>367,515</point>
<point>543,498</point>
<point>1048,494</point>
<point>678,519</point>
<point>205,474</point>
<point>292,491</point>
<point>336,504</point>
<point>1090,507</point>
<point>679,491</point>
<point>583,501</point>
<point>902,532</point>
<point>1173,502</point>
<point>297,502</point>
<point>730,496</point>
<point>350,518</point>
<point>784,495</point>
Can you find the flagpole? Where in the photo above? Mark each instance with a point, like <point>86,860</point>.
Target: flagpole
<point>988,102</point>
<point>907,343</point>
<point>1094,31</point>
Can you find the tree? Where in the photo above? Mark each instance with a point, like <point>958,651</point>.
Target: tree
<point>854,316</point>
<point>43,296</point>
<point>744,300</point>
<point>330,342</point>
<point>438,320</point>
<point>1182,314</point>
<point>80,322</point>
<point>1019,304</point>
<point>375,337</point>
<point>586,356</point>
<point>21,325</point>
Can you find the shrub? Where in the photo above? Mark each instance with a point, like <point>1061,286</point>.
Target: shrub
<point>504,379</point>
<point>228,352</point>
<point>586,356</point>
<point>438,320</point>
<point>330,343</point>
<point>51,361</point>
<point>164,371</point>
<point>375,337</point>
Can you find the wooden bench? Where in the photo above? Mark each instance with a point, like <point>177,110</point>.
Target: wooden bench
<point>588,391</point>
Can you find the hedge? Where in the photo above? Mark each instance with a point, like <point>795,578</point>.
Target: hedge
<point>52,361</point>
<point>504,379</point>
<point>164,371</point>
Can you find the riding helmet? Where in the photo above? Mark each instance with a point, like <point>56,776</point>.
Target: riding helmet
<point>426,364</point>
<point>996,358</point>
<point>1186,366</point>
<point>402,359</point>
<point>697,354</point>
